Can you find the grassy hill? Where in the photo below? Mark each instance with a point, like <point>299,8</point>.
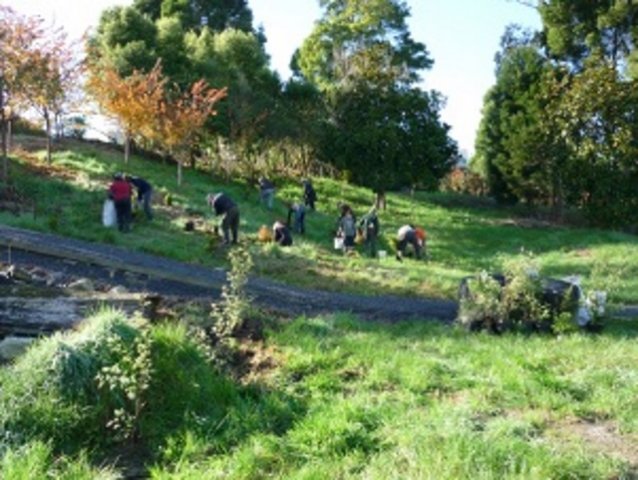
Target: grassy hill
<point>327,397</point>
<point>324,398</point>
<point>465,235</point>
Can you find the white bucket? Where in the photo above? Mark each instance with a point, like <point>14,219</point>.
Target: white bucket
<point>338,242</point>
<point>382,254</point>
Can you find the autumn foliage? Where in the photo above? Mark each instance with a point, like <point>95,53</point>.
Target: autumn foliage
<point>147,106</point>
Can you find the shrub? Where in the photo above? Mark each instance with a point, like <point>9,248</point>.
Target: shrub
<point>229,313</point>
<point>462,180</point>
<point>518,299</point>
<point>52,393</point>
<point>115,380</point>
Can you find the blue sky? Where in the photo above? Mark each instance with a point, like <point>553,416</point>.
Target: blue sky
<point>461,35</point>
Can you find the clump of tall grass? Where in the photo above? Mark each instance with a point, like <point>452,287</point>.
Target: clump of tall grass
<point>36,460</point>
<point>52,393</point>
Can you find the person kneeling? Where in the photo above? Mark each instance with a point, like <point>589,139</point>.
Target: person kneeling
<point>281,234</point>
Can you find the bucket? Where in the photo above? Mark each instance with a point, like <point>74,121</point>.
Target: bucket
<point>382,254</point>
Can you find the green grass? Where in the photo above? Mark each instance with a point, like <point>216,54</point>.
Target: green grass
<point>342,398</point>
<point>464,236</point>
<point>421,400</point>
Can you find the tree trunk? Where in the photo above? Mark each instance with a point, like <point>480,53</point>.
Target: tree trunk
<point>3,134</point>
<point>9,134</point>
<point>127,147</point>
<point>47,121</point>
<point>558,203</point>
<point>179,172</point>
<point>379,200</point>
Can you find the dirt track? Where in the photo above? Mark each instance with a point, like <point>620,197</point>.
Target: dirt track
<point>140,272</point>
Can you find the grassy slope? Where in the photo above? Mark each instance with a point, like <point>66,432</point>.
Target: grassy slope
<point>462,240</point>
<point>339,398</point>
<point>416,401</point>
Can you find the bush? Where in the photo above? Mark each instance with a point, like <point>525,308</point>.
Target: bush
<point>52,393</point>
<point>519,299</point>
<point>462,180</point>
<point>27,127</point>
<point>229,313</point>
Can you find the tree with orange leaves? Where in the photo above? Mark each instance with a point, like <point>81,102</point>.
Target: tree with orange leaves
<point>181,115</point>
<point>148,107</point>
<point>135,101</point>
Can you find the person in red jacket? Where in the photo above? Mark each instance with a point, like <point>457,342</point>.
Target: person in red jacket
<point>120,192</point>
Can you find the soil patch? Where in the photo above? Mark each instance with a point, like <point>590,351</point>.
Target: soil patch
<point>603,437</point>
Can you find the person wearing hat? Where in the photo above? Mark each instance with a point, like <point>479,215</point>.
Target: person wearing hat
<point>223,205</point>
<point>120,192</point>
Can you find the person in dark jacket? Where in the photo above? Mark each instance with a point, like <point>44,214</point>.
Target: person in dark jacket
<point>144,194</point>
<point>309,194</point>
<point>281,234</point>
<point>224,206</point>
<point>266,192</point>
<point>369,225</point>
<point>120,192</point>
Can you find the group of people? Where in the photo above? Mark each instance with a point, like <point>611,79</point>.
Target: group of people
<point>367,231</point>
<point>227,209</point>
<point>349,232</point>
<point>121,191</point>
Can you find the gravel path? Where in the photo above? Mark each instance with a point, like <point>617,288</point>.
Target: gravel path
<point>140,272</point>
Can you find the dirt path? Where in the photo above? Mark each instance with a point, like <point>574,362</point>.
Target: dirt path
<point>140,272</point>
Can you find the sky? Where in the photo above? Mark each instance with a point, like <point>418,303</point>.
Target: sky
<point>462,37</point>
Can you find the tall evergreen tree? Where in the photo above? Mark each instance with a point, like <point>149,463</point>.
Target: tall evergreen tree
<point>362,57</point>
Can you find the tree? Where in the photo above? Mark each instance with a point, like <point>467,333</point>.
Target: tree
<point>181,115</point>
<point>148,106</point>
<point>198,39</point>
<point>362,58</point>
<point>134,100</point>
<point>125,40</point>
<point>574,30</point>
<point>359,40</point>
<point>237,59</point>
<point>595,116</point>
<point>516,146</point>
<point>49,78</point>
<point>19,38</point>
<point>217,15</point>
<point>380,153</point>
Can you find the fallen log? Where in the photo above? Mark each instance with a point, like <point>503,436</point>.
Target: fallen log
<point>36,316</point>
